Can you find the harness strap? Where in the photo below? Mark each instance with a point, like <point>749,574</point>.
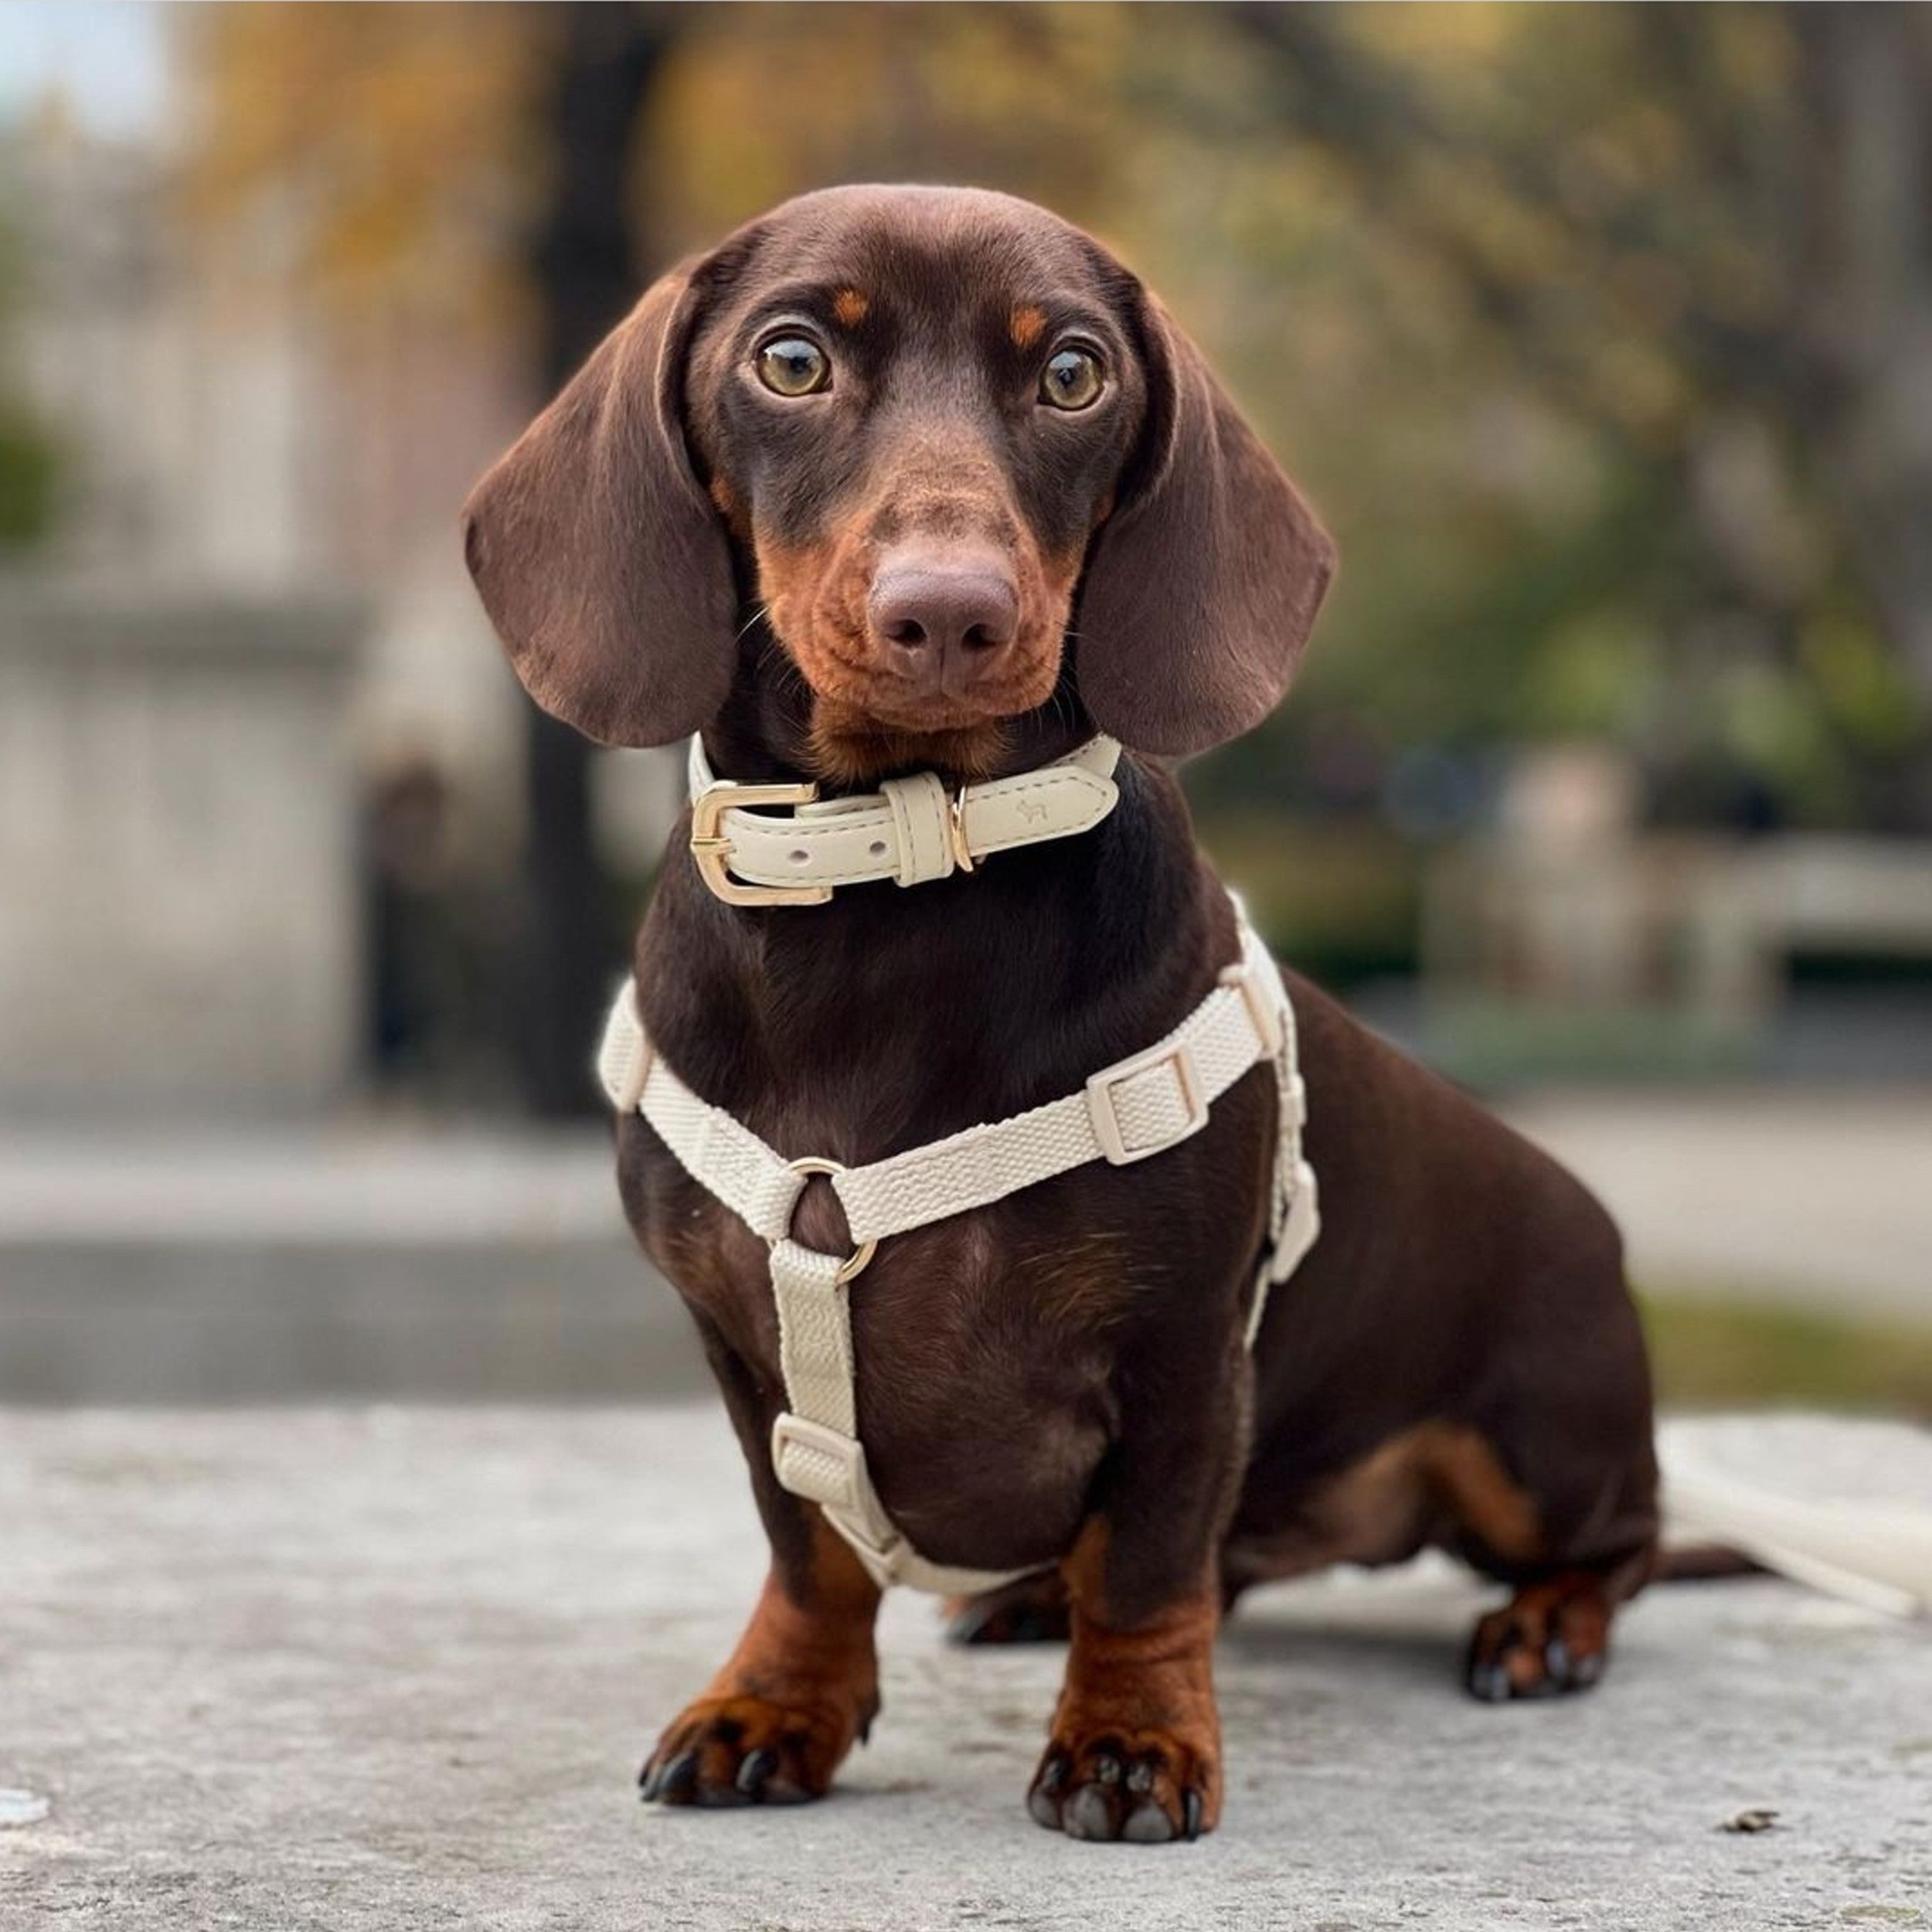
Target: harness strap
<point>910,830</point>
<point>1294,1217</point>
<point>1138,1108</point>
<point>815,1451</point>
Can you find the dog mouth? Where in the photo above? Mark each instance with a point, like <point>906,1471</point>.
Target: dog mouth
<point>864,680</point>
<point>866,722</point>
<point>901,704</point>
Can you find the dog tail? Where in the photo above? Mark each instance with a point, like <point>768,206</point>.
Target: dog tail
<point>1703,1564</point>
<point>1844,1506</point>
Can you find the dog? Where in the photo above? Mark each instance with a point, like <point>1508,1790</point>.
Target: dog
<point>920,486</point>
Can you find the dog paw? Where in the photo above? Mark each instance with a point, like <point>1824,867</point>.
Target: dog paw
<point>1033,1610</point>
<point>1553,1638</point>
<point>1141,1786</point>
<point>745,1750</point>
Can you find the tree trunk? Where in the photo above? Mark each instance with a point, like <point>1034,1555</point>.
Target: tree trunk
<point>587,265</point>
<point>1866,77</point>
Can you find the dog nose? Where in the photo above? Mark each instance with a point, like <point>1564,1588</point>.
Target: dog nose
<point>932,612</point>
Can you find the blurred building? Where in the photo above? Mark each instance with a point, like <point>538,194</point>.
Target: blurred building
<point>250,633</point>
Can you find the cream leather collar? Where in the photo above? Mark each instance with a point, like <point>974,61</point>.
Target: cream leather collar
<point>909,831</point>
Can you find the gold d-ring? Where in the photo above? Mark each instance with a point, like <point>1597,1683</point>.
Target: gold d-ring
<point>855,1263</point>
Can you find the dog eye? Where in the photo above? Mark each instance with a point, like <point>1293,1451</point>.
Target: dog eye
<point>1072,378</point>
<point>793,366</point>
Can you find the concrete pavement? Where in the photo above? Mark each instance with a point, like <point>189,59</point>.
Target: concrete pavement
<point>394,1669</point>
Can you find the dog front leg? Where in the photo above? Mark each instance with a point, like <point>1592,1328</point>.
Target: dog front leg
<point>776,1723</point>
<point>1135,1750</point>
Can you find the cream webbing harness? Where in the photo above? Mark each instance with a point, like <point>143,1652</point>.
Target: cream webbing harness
<point>1136,1108</point>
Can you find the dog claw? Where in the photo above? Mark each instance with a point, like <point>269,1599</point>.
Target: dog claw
<point>1088,1814</point>
<point>755,1773</point>
<point>677,1781</point>
<point>1043,1801</point>
<point>1490,1683</point>
<point>1147,1824</point>
<point>1191,1815</point>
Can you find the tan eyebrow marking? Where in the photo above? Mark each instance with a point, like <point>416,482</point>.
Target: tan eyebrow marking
<point>1026,326</point>
<point>850,306</point>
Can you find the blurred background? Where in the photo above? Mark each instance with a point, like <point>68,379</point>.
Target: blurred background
<point>1602,336</point>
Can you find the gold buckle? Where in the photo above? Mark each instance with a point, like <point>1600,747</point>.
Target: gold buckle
<point>711,847</point>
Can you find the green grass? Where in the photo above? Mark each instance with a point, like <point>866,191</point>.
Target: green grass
<point>1713,1352</point>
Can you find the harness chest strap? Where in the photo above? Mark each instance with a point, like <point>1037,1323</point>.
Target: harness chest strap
<point>910,830</point>
<point>1138,1108</point>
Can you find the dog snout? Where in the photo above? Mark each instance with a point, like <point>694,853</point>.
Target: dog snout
<point>942,620</point>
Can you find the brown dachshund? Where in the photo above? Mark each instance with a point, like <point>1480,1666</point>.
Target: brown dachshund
<point>910,479</point>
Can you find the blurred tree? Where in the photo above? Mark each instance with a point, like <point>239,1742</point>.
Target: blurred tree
<point>1862,294</point>
<point>381,153</point>
<point>1602,328</point>
<point>29,458</point>
<point>587,256</point>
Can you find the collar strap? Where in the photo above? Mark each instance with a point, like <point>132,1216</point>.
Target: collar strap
<point>910,830</point>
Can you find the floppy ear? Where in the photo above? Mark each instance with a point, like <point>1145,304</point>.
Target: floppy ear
<point>1202,586</point>
<point>602,565</point>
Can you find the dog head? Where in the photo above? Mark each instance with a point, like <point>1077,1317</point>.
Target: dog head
<point>941,449</point>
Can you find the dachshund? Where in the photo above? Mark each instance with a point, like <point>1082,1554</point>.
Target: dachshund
<point>904,480</point>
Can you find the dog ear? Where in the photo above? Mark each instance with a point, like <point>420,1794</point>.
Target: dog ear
<point>600,561</point>
<point>1202,586</point>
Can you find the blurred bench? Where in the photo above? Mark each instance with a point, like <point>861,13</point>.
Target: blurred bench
<point>1669,948</point>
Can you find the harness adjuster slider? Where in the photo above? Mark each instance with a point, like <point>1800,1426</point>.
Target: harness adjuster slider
<point>711,845</point>
<point>823,1467</point>
<point>1262,1011</point>
<point>1102,1104</point>
<point>818,1463</point>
